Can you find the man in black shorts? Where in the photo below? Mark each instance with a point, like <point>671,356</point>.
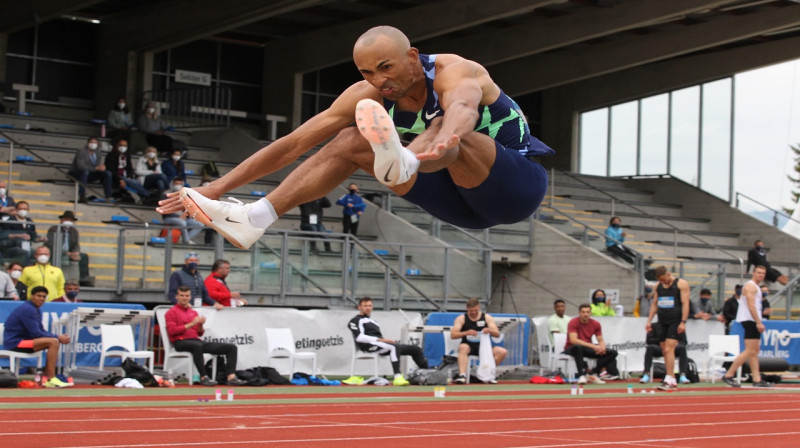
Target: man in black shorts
<point>757,256</point>
<point>368,337</point>
<point>749,315</point>
<point>671,302</point>
<point>468,327</point>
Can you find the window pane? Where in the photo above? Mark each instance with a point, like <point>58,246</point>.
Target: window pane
<point>624,118</point>
<point>655,121</point>
<point>685,132</point>
<point>716,137</point>
<point>594,136</point>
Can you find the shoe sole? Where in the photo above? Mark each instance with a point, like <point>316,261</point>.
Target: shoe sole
<point>196,213</point>
<point>377,128</point>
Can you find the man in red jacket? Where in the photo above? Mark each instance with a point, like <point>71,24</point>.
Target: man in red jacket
<point>218,289</point>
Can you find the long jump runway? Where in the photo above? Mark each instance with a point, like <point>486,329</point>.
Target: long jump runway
<point>512,415</point>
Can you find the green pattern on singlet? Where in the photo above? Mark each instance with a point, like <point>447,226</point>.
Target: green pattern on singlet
<point>489,128</point>
<point>416,129</point>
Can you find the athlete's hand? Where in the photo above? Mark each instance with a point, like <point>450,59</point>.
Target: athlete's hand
<point>439,148</point>
<point>760,327</point>
<point>647,327</point>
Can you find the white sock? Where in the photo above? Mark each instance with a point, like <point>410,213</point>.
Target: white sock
<point>411,161</point>
<point>669,379</point>
<point>262,213</point>
<point>397,375</point>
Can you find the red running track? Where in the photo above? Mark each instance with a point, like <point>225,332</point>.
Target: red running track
<point>697,421</point>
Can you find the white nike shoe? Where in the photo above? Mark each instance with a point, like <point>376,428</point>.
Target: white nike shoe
<point>394,164</point>
<point>230,219</point>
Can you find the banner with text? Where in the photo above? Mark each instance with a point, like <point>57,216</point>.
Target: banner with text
<point>323,332</point>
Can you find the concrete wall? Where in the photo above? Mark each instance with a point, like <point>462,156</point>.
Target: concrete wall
<point>724,218</point>
<point>561,267</point>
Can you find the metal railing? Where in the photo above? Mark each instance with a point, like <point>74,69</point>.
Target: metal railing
<point>777,216</point>
<point>676,230</point>
<point>190,108</point>
<point>785,296</point>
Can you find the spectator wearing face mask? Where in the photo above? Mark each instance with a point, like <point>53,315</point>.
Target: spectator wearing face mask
<point>757,256</point>
<point>19,232</point>
<point>15,272</point>
<point>173,167</point>
<point>88,166</point>
<point>704,309</point>
<point>643,303</point>
<point>353,209</point>
<point>149,122</point>
<point>7,287</point>
<point>44,274</point>
<point>731,307</point>
<point>120,121</point>
<point>189,276</point>
<point>601,306</point>
<point>121,167</point>
<point>7,203</point>
<point>71,290</point>
<point>72,259</point>
<point>614,239</point>
<point>188,226</point>
<point>148,168</point>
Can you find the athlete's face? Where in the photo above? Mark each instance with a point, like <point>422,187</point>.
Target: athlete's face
<point>387,66</point>
<point>665,279</point>
<point>365,308</point>
<point>474,312</point>
<point>759,274</point>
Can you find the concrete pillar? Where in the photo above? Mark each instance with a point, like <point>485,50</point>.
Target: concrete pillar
<point>560,126</point>
<point>3,62</point>
<point>281,90</point>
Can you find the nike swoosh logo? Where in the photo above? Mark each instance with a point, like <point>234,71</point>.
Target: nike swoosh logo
<point>386,176</point>
<point>228,219</point>
<point>432,115</point>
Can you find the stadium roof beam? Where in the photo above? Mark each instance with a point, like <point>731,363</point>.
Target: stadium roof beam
<point>536,36</point>
<point>199,18</point>
<point>334,45</point>
<point>27,14</point>
<point>563,67</point>
<point>664,76</point>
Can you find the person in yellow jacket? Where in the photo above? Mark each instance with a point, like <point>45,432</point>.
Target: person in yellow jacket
<point>600,307</point>
<point>44,274</point>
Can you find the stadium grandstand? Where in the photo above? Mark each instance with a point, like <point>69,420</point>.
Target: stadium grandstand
<point>230,77</point>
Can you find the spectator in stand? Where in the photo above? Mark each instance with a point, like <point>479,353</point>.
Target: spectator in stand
<point>25,333</point>
<point>601,305</point>
<point>311,214</point>
<point>70,244</point>
<point>704,309</point>
<point>173,167</point>
<point>757,256</point>
<point>149,123</point>
<point>20,232</point>
<point>614,232</point>
<point>185,327</point>
<point>88,166</point>
<point>148,170</point>
<point>558,321</point>
<point>766,311</point>
<point>579,345</point>
<point>653,350</point>
<point>7,287</point>
<point>44,274</point>
<point>730,308</point>
<point>15,272</point>
<point>353,209</point>
<point>218,289</point>
<point>189,227</point>
<point>71,289</point>
<point>189,277</point>
<point>121,167</point>
<point>7,204</point>
<point>120,121</point>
